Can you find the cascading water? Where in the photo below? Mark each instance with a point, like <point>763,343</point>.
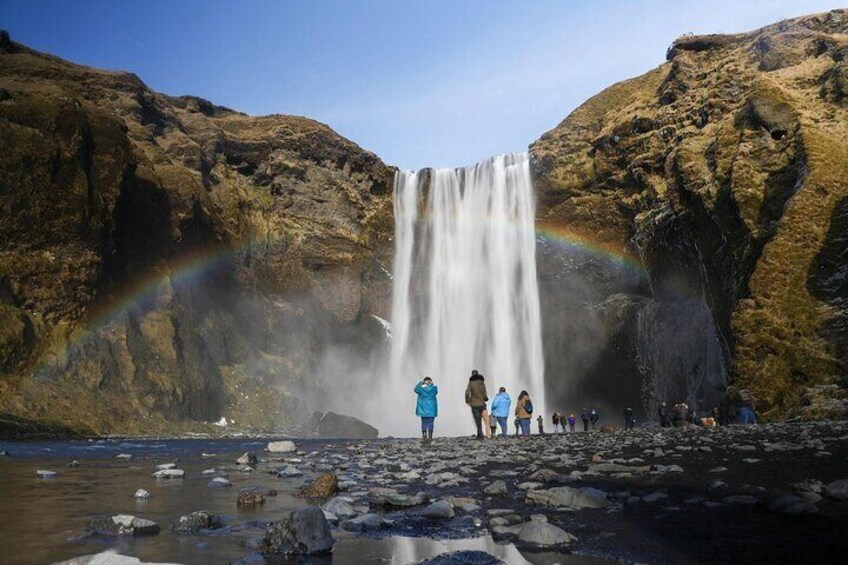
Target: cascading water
<point>465,293</point>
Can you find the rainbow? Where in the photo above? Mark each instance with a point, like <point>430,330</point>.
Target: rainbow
<point>573,240</point>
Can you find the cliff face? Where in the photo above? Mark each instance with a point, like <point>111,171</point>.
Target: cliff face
<point>725,173</point>
<point>166,261</point>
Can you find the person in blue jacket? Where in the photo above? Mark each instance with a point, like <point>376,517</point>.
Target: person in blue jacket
<point>427,407</point>
<point>500,409</point>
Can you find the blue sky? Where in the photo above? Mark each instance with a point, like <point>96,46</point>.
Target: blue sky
<point>428,83</point>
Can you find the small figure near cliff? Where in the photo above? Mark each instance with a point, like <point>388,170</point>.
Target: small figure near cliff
<point>476,398</point>
<point>557,421</point>
<point>500,409</point>
<point>629,419</point>
<point>571,422</point>
<point>524,410</point>
<point>541,423</point>
<point>745,413</point>
<point>584,415</point>
<point>593,418</point>
<point>664,415</point>
<point>427,407</point>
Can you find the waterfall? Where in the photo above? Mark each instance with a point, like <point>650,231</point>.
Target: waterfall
<point>465,294</point>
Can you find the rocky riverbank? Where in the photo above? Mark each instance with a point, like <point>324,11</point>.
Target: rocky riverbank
<point>774,493</point>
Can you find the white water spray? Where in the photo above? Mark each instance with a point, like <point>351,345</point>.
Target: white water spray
<point>465,294</point>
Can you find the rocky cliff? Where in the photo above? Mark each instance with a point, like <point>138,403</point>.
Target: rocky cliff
<point>167,262</point>
<point>723,173</point>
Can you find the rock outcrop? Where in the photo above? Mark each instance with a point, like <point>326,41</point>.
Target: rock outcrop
<point>718,183</point>
<point>166,261</point>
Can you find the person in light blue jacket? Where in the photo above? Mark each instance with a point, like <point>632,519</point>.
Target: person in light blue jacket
<point>500,409</point>
<point>427,407</point>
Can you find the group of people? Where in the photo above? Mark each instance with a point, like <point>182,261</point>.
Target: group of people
<point>486,421</point>
<point>476,397</point>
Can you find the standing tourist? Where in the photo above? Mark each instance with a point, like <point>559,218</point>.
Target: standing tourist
<point>745,407</point>
<point>629,419</point>
<point>524,410</point>
<point>664,415</point>
<point>584,415</point>
<point>571,422</point>
<point>427,407</point>
<point>541,423</point>
<point>500,409</point>
<point>557,419</point>
<point>476,398</point>
<point>493,425</point>
<point>593,418</point>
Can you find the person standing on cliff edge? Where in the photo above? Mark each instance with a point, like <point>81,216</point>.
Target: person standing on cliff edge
<point>476,398</point>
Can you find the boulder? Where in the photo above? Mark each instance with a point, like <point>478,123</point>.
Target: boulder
<point>250,499</point>
<point>123,525</point>
<point>196,522</point>
<point>339,507</point>
<point>569,497</point>
<point>220,482</point>
<point>334,425</point>
<point>141,493</point>
<point>792,505</point>
<point>327,484</point>
<point>248,458</point>
<point>44,474</point>
<point>289,471</point>
<point>837,490</point>
<point>169,474</point>
<point>305,532</point>
<point>497,488</point>
<point>541,533</point>
<point>438,510</point>
<point>366,522</point>
<point>281,447</point>
<point>381,496</point>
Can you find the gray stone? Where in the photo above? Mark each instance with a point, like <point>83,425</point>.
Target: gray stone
<point>197,521</point>
<point>438,510</point>
<point>123,525</point>
<point>569,497</point>
<point>305,532</point>
<point>334,425</point>
<point>169,474</point>
<point>497,488</point>
<point>166,466</point>
<point>792,505</point>
<point>141,493</point>
<point>44,474</point>
<point>288,472</point>
<point>220,482</point>
<point>543,534</point>
<point>741,499</point>
<point>837,490</point>
<point>340,507</point>
<point>285,446</point>
<point>381,496</point>
<point>366,522</point>
<point>248,458</point>
<point>654,497</point>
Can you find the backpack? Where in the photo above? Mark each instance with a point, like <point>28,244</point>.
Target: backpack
<point>528,406</point>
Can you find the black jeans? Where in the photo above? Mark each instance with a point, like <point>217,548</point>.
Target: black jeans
<point>477,414</point>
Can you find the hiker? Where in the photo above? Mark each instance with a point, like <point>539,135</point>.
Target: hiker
<point>427,407</point>
<point>745,413</point>
<point>593,418</point>
<point>629,420</point>
<point>517,425</point>
<point>541,423</point>
<point>716,415</point>
<point>664,415</point>
<point>584,415</point>
<point>571,421</point>
<point>493,425</point>
<point>524,410</point>
<point>500,409</point>
<point>678,418</point>
<point>476,398</point>
<point>557,419</point>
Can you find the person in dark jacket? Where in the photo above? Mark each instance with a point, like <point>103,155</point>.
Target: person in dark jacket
<point>584,415</point>
<point>629,420</point>
<point>593,418</point>
<point>664,415</point>
<point>476,398</point>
